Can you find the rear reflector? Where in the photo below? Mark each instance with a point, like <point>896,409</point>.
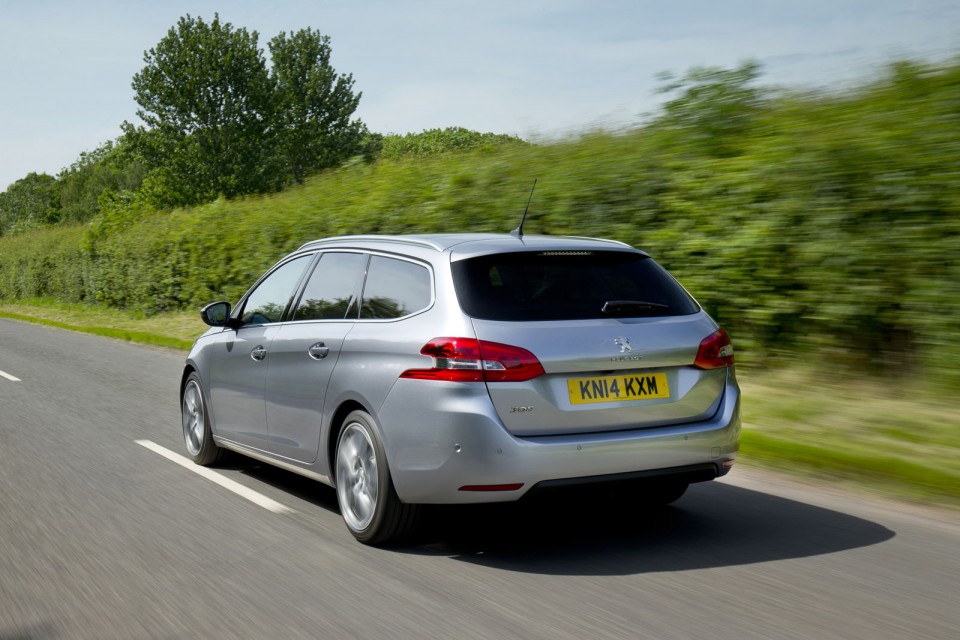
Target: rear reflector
<point>716,351</point>
<point>491,487</point>
<point>471,360</point>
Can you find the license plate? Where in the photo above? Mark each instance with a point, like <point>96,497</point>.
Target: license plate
<point>646,386</point>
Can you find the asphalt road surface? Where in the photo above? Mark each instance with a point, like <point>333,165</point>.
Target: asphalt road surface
<point>103,537</point>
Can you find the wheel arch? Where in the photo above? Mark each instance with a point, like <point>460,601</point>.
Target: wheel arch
<point>336,426</point>
<point>187,370</point>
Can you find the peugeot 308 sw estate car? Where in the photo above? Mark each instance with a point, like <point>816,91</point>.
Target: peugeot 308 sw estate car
<point>464,368</point>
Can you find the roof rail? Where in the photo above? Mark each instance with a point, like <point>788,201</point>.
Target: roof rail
<point>408,240</point>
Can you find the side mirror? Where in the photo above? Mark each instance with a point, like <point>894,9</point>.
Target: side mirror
<point>216,314</point>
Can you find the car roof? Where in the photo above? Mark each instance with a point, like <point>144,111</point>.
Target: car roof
<point>464,245</point>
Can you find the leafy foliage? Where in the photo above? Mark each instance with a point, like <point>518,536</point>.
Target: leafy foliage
<point>29,203</point>
<point>715,106</point>
<point>207,101</point>
<point>824,224</point>
<point>435,141</point>
<point>219,123</point>
<point>313,105</point>
<point>108,172</point>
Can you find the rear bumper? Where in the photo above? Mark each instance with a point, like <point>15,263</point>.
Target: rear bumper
<point>688,475</point>
<point>460,442</point>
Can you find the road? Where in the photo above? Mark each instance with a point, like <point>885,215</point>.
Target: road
<point>101,537</point>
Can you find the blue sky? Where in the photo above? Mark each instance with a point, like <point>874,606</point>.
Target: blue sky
<point>534,68</point>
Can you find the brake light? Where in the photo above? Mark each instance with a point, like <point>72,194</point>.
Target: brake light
<point>470,360</point>
<point>716,351</point>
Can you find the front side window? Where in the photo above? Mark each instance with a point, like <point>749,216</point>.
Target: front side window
<point>269,300</point>
<point>331,292</point>
<point>395,288</point>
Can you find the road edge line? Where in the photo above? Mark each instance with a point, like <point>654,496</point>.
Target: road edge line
<point>231,485</point>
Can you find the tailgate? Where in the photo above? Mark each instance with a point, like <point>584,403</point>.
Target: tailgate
<point>606,374</point>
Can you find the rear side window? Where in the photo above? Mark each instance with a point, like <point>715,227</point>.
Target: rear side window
<point>331,292</point>
<point>567,285</point>
<point>394,288</point>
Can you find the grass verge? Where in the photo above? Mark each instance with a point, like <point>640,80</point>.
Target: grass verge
<point>901,441</point>
<point>901,477</point>
<point>172,330</point>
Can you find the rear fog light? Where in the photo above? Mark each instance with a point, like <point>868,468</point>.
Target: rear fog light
<point>491,487</point>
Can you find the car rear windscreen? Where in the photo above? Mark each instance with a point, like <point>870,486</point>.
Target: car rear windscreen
<point>568,285</point>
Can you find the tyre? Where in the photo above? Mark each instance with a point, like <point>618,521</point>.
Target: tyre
<point>196,424</point>
<point>368,502</point>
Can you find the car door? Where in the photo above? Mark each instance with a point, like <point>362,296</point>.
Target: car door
<point>305,350</point>
<point>238,368</point>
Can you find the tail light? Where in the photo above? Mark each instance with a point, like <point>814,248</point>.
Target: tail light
<point>470,360</point>
<point>716,351</point>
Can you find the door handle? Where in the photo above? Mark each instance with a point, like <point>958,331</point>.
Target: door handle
<point>258,353</point>
<point>318,351</point>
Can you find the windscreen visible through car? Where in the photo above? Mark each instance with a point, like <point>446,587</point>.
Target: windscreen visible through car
<point>567,285</point>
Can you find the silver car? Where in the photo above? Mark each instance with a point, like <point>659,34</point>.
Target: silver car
<point>465,368</point>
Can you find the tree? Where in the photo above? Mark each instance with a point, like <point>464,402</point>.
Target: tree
<point>29,202</point>
<point>219,123</point>
<point>313,105</point>
<point>110,168</point>
<point>715,105</point>
<point>207,100</point>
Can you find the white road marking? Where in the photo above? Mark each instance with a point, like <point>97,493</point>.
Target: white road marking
<point>231,485</point>
<point>4,374</point>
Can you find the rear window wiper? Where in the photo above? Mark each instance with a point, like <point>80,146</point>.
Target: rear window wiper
<point>619,307</point>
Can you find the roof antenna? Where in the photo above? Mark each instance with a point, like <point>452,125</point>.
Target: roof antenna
<point>518,232</point>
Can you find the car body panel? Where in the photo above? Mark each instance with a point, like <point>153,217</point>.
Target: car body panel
<point>585,349</point>
<point>468,445</point>
<point>296,384</point>
<point>440,436</point>
<point>235,380</point>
